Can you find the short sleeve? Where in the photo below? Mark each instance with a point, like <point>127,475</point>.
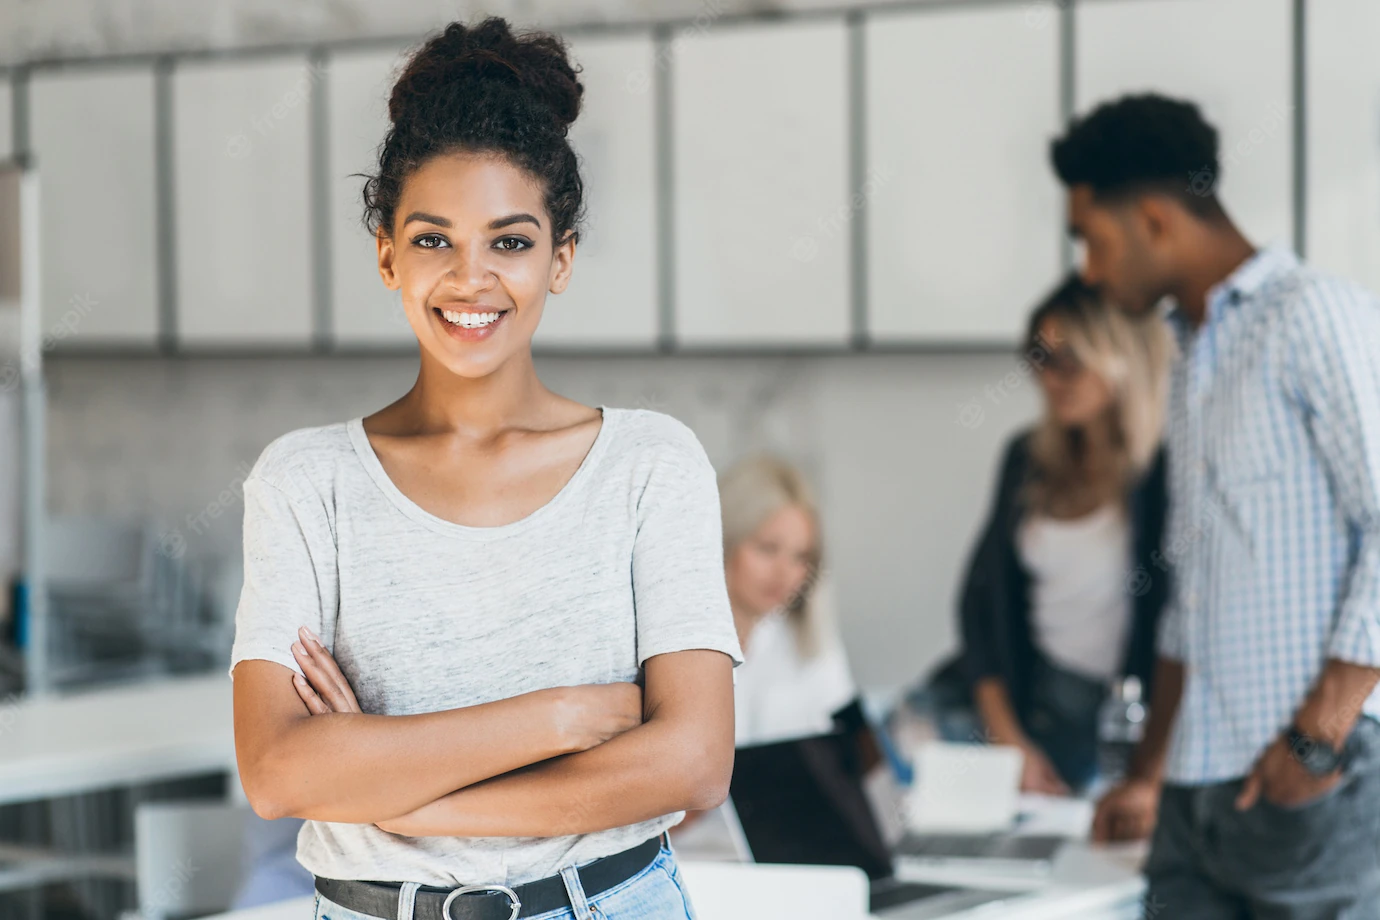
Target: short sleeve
<point>679,594</point>
<point>289,575</point>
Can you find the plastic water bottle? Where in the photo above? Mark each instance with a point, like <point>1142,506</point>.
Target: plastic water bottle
<point>1120,726</point>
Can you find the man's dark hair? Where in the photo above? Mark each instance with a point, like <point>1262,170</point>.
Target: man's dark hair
<point>1142,143</point>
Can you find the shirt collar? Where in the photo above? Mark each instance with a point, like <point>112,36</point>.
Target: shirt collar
<point>1261,267</point>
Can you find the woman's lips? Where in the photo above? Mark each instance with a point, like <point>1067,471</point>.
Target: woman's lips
<point>464,333</point>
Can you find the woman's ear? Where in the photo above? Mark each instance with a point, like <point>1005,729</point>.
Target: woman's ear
<point>386,254</point>
<point>562,264</point>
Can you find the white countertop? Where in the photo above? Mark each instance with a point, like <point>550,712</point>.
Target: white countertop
<point>117,736</point>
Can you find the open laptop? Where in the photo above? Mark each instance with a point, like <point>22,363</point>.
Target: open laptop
<point>962,810</point>
<point>802,802</point>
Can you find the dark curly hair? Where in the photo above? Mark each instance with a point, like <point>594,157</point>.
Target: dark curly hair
<point>1142,143</point>
<point>483,89</point>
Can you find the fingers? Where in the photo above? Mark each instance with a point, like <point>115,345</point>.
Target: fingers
<point>323,673</point>
<point>1250,791</point>
<point>308,696</point>
<point>1102,823</point>
<point>1130,825</point>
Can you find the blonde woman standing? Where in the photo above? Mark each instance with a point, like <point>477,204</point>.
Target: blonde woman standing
<point>795,675</point>
<point>1066,584</point>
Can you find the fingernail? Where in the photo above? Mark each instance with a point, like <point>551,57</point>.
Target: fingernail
<point>311,635</point>
<point>299,648</point>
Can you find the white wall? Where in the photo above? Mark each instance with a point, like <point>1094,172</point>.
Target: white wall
<point>902,449</point>
<point>62,28</point>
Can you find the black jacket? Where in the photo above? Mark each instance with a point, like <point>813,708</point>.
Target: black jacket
<point>995,605</point>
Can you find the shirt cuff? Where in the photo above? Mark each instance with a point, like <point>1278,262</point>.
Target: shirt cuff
<point>1356,639</point>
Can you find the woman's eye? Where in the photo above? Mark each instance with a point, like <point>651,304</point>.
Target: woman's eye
<point>430,241</point>
<point>513,244</point>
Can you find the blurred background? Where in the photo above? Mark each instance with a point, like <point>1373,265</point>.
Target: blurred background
<point>815,228</point>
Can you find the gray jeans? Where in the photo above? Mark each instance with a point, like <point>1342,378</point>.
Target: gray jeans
<point>1310,862</point>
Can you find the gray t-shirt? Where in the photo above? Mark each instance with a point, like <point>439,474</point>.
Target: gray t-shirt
<point>423,614</point>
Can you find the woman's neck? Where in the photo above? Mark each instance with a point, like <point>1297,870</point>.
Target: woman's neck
<point>745,620</point>
<point>442,401</point>
<point>1098,443</point>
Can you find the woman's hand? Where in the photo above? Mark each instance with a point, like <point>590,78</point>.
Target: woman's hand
<point>589,715</point>
<point>324,688</point>
<point>1038,773</point>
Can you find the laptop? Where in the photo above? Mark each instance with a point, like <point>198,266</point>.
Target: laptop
<point>961,812</point>
<point>802,802</point>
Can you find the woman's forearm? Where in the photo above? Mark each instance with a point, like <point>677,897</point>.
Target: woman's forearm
<point>642,774</point>
<point>361,768</point>
<point>993,703</point>
<point>679,759</point>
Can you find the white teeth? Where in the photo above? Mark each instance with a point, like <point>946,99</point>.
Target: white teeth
<point>470,320</point>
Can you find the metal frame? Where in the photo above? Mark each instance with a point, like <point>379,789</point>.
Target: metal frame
<point>663,32</point>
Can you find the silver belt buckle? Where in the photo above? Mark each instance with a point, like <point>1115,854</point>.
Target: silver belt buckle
<point>470,889</point>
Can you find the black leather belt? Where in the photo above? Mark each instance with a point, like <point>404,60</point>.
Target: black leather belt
<point>489,902</point>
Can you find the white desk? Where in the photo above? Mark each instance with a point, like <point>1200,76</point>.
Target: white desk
<point>1092,883</point>
<point>721,891</point>
<point>1088,884</point>
<point>119,736</point>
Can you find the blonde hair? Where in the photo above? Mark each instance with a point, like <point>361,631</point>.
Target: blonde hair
<point>750,492</point>
<point>1131,354</point>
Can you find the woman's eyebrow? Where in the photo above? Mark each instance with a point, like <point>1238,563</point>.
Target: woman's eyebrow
<point>511,219</point>
<point>496,224</point>
<point>428,218</point>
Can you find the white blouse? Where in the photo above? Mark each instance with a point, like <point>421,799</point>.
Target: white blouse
<point>780,694</point>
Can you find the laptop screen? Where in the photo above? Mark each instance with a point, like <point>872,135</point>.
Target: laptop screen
<point>802,801</point>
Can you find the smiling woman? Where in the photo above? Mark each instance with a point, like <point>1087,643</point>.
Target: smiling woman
<point>484,645</point>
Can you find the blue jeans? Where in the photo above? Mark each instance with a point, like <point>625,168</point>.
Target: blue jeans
<point>655,893</point>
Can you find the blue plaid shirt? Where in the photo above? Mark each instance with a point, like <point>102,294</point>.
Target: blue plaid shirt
<point>1274,531</point>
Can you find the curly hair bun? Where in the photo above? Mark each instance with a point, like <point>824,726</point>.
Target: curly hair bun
<point>480,62</point>
<point>482,88</point>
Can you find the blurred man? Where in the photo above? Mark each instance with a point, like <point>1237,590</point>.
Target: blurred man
<point>1262,750</point>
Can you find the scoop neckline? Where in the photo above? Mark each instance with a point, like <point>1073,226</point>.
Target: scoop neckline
<point>359,440</point>
<point>1085,521</point>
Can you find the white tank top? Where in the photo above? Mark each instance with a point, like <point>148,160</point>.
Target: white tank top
<point>1080,606</point>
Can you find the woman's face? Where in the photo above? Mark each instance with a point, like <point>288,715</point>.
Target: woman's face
<point>1076,395</point>
<point>472,254</point>
<point>771,566</point>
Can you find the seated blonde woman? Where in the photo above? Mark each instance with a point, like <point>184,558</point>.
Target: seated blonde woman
<point>795,674</point>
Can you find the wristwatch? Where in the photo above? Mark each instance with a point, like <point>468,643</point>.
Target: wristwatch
<point>1313,754</point>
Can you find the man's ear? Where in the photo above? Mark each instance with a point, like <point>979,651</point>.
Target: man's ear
<point>386,254</point>
<point>1158,215</point>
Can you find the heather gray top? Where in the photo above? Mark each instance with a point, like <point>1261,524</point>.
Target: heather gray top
<point>423,614</point>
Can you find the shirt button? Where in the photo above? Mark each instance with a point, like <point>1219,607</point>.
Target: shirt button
<point>1191,600</point>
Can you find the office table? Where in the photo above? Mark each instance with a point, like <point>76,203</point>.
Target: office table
<point>1088,884</point>
<point>117,736</point>
<point>106,738</point>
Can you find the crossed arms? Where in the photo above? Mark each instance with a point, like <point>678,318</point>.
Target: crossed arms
<point>569,760</point>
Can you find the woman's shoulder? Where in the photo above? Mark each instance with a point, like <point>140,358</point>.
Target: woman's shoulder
<point>303,457</point>
<point>657,436</point>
